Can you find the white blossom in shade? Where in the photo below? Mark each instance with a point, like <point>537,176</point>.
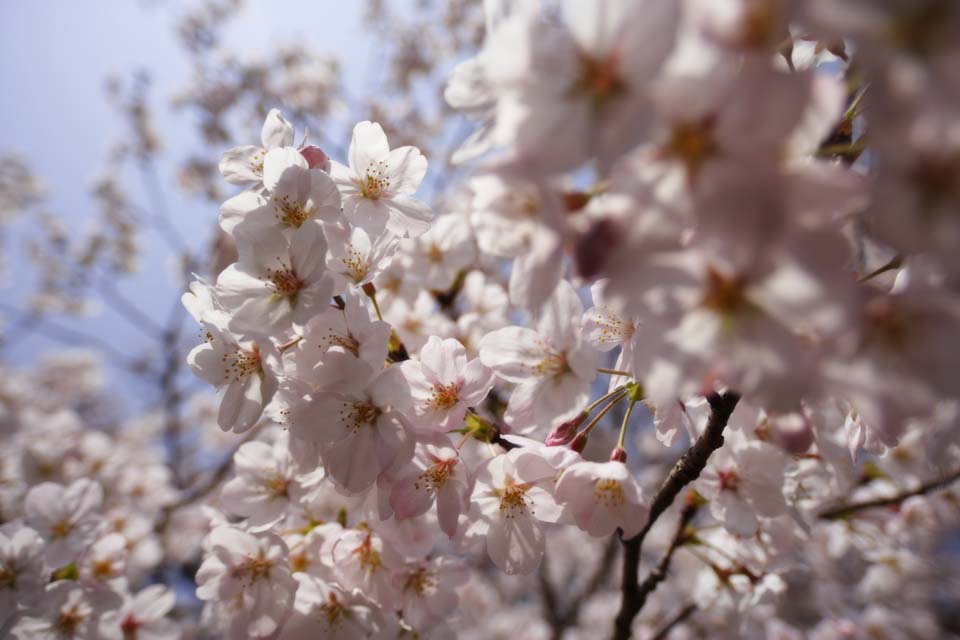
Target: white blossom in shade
<point>64,613</point>
<point>364,561</point>
<point>242,369</point>
<point>355,258</point>
<point>22,575</point>
<point>378,186</point>
<point>606,327</point>
<point>362,432</point>
<point>743,481</point>
<point>66,517</point>
<point>104,563</point>
<point>443,250</point>
<point>340,349</point>
<point>551,365</point>
<point>325,610</point>
<point>443,383</point>
<point>143,616</point>
<point>428,590</point>
<point>510,500</point>
<point>602,496</point>
<point>436,475</point>
<point>416,321</point>
<point>249,576</point>
<point>299,195</point>
<point>279,280</point>
<point>245,164</point>
<point>576,88</point>
<point>265,485</point>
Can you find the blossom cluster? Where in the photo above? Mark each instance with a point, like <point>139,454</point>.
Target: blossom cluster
<point>422,389</point>
<point>79,507</point>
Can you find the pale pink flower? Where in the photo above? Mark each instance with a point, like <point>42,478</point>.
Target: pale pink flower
<point>142,616</point>
<point>437,475</point>
<point>244,165</point>
<point>66,517</point>
<point>602,496</point>
<point>378,186</point>
<point>428,590</point>
<point>443,384</point>
<point>552,366</point>
<point>511,499</point>
<point>250,577</point>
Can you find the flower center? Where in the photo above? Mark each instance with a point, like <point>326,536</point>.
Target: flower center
<point>609,493</point>
<point>359,414</point>
<point>375,184</point>
<point>333,611</point>
<point>285,282</point>
<point>356,264</point>
<point>729,480</point>
<point>599,79</point>
<point>421,582</point>
<point>258,567</point>
<point>8,578</point>
<point>435,477</point>
<point>692,143</point>
<point>61,529</point>
<point>513,499</point>
<point>444,396</point>
<point>240,364</point>
<point>68,621</point>
<point>290,213</point>
<point>554,363</point>
<point>725,294</point>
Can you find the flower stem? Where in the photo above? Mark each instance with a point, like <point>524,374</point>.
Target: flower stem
<point>372,294</point>
<point>602,413</point>
<point>614,372</point>
<point>626,419</point>
<point>596,403</point>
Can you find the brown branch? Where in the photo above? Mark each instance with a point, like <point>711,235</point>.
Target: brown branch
<point>685,613</point>
<point>685,471</point>
<point>847,510</point>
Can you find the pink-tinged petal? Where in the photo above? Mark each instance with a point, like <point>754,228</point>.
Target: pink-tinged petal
<point>242,165</point>
<point>408,217</point>
<point>368,145</point>
<point>477,382</point>
<point>444,358</point>
<point>543,506</point>
<point>515,544</point>
<point>248,207</point>
<point>559,320</point>
<point>276,131</point>
<point>409,496</point>
<point>324,197</point>
<point>242,404</point>
<point>370,215</point>
<point>736,515</point>
<point>406,167</point>
<point>277,161</point>
<point>449,505</point>
<point>535,273</point>
<point>513,353</point>
<point>322,418</point>
<point>352,461</point>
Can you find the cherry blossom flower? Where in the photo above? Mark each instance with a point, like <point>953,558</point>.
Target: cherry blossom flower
<point>511,501</point>
<point>244,165</point>
<point>437,475</point>
<point>552,366</point>
<point>602,497</point>
<point>378,185</point>
<point>65,517</point>
<point>443,383</point>
<point>250,576</point>
<point>143,615</point>
<point>21,565</point>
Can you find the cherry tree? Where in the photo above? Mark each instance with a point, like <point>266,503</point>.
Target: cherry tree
<point>650,333</point>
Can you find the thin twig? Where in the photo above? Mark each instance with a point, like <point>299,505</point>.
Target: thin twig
<point>847,510</point>
<point>686,470</point>
<point>685,613</point>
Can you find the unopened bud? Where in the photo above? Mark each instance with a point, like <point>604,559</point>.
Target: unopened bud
<point>316,158</point>
<point>579,443</point>
<point>565,431</point>
<point>369,289</point>
<point>618,455</point>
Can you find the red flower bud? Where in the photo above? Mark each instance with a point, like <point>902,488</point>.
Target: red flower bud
<point>316,158</point>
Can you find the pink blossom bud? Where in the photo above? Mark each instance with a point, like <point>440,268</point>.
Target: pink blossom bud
<point>579,443</point>
<point>316,158</point>
<point>565,431</point>
<point>618,455</point>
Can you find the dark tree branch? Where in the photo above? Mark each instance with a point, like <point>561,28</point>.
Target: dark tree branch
<point>846,510</point>
<point>685,613</point>
<point>685,471</point>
